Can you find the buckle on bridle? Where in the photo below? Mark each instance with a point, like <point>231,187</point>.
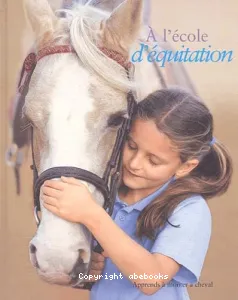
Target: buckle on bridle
<point>36,215</point>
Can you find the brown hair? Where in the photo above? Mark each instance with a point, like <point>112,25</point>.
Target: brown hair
<point>188,123</point>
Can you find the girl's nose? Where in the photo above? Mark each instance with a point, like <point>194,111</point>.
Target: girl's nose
<point>135,162</point>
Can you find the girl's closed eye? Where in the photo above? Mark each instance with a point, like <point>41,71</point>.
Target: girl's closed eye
<point>133,147</point>
<point>153,163</point>
<point>130,146</point>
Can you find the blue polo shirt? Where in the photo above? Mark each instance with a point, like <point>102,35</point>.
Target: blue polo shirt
<point>187,245</point>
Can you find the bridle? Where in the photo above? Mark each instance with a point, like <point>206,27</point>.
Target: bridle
<point>21,138</point>
<point>110,181</point>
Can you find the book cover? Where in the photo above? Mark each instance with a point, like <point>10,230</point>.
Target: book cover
<point>187,44</point>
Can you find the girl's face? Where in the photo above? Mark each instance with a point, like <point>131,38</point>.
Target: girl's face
<point>148,158</point>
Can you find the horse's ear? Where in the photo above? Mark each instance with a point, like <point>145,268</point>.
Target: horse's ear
<point>41,18</point>
<point>123,26</point>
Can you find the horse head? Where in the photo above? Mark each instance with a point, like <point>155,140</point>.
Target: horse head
<point>75,103</point>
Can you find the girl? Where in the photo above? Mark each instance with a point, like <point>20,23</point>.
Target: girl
<point>159,233</point>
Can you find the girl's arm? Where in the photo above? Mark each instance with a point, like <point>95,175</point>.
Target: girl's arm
<point>129,256</point>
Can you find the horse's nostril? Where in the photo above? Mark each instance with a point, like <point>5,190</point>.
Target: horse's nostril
<point>32,249</point>
<point>33,256</point>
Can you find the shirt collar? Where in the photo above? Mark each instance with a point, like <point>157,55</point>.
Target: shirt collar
<point>140,205</point>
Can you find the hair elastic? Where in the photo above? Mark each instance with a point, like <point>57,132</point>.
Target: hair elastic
<point>213,141</point>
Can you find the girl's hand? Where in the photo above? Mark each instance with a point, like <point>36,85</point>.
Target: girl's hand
<point>69,199</point>
<point>97,266</point>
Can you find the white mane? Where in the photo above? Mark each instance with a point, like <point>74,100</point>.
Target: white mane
<point>84,38</point>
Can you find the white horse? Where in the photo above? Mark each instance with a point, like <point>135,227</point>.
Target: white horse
<point>70,100</point>
<point>172,74</point>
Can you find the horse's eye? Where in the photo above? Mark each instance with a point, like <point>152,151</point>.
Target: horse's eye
<point>116,119</point>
